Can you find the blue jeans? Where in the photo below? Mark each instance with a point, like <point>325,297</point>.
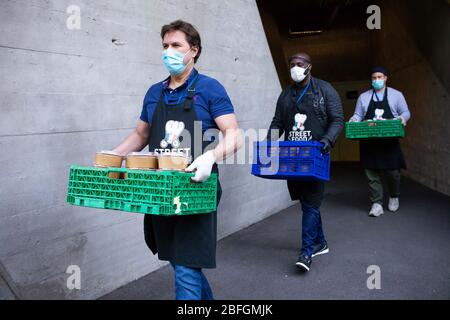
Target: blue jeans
<point>191,284</point>
<point>312,232</point>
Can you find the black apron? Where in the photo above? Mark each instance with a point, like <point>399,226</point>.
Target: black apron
<point>184,240</point>
<point>384,153</point>
<point>303,103</point>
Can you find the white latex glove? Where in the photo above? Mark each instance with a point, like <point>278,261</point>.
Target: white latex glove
<point>204,165</point>
<point>402,120</point>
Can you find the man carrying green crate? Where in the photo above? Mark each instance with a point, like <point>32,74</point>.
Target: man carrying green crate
<point>172,112</point>
<point>308,110</point>
<point>382,157</point>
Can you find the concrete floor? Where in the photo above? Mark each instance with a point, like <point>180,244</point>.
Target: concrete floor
<point>411,247</point>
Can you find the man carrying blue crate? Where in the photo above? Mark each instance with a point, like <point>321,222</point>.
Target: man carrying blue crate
<point>172,111</point>
<point>382,157</point>
<point>308,110</point>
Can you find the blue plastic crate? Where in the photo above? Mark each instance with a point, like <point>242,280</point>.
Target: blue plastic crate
<point>290,160</point>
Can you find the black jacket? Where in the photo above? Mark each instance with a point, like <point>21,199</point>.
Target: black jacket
<point>327,107</point>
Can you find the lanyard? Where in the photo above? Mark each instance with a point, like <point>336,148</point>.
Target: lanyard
<point>376,95</point>
<point>303,93</point>
<point>182,95</point>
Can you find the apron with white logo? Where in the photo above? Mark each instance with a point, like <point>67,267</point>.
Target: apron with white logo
<point>184,240</point>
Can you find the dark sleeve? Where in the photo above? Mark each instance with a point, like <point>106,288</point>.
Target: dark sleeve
<point>277,120</point>
<point>335,115</point>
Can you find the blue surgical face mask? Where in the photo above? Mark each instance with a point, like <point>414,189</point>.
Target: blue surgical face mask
<point>378,84</point>
<point>173,61</point>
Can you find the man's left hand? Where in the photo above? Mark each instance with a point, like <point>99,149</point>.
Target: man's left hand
<point>203,164</point>
<point>402,120</point>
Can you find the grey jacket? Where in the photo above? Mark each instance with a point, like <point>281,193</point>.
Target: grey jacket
<point>327,107</point>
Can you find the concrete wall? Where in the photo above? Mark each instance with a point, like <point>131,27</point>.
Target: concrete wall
<point>65,94</point>
<point>428,23</point>
<point>421,74</point>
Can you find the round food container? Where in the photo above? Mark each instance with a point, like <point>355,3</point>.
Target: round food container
<point>173,161</point>
<point>108,159</point>
<point>142,160</point>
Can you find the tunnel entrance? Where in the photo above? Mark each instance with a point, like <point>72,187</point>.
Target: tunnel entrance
<point>335,35</point>
<point>413,37</point>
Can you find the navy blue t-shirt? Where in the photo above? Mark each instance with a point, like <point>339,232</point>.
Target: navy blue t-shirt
<point>210,99</point>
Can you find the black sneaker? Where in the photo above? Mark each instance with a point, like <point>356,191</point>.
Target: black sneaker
<point>320,249</point>
<point>304,262</point>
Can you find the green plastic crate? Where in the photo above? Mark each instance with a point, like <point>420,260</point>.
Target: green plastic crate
<point>141,191</point>
<point>374,129</point>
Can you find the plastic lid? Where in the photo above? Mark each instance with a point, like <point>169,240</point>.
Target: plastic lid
<point>173,154</point>
<point>142,154</point>
<point>109,152</point>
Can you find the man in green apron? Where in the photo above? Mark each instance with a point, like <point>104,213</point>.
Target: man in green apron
<point>179,105</point>
<point>382,157</point>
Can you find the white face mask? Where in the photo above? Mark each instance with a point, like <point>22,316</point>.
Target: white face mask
<point>298,74</point>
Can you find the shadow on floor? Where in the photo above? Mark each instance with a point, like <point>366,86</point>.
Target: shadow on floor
<point>411,247</point>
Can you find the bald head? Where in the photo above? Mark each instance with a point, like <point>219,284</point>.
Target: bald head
<point>300,56</point>
<point>300,65</point>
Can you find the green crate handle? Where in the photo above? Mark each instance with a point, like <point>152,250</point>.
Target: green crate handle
<point>111,169</point>
<point>126,170</point>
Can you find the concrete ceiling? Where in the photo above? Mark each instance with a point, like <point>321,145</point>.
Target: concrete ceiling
<point>297,16</point>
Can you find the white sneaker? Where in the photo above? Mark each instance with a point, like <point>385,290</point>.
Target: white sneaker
<point>377,210</point>
<point>393,204</point>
